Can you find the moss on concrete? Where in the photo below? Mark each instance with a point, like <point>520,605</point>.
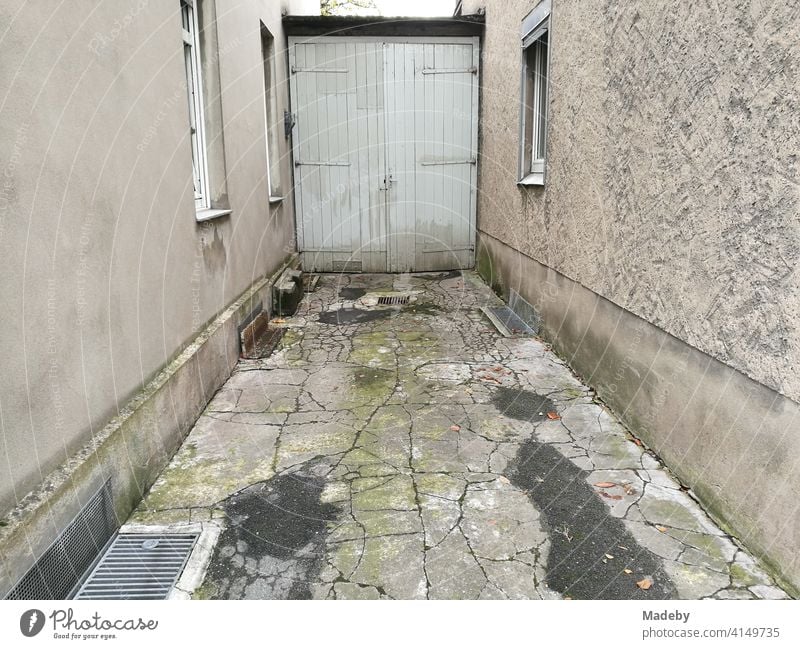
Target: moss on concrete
<point>485,266</point>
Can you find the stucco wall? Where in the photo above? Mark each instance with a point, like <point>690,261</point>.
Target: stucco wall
<point>672,171</point>
<point>106,273</point>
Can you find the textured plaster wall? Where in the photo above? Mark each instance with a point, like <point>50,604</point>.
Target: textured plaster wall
<point>672,173</point>
<point>106,273</point>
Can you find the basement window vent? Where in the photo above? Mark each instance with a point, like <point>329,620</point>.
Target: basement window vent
<point>394,300</point>
<point>507,322</point>
<point>139,566</point>
<point>60,568</point>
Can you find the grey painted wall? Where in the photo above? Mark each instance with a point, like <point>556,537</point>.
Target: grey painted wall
<point>106,273</point>
<point>672,186</point>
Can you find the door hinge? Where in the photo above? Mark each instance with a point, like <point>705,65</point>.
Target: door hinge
<point>288,123</point>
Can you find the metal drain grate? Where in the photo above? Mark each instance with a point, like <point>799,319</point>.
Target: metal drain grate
<point>394,300</point>
<point>139,566</point>
<point>62,565</point>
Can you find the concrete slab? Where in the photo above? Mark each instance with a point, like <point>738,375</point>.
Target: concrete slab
<point>413,452</point>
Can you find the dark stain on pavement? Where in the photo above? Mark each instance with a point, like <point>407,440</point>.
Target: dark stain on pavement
<point>523,405</point>
<point>273,545</point>
<point>438,277</point>
<point>351,293</point>
<point>582,532</point>
<point>353,316</point>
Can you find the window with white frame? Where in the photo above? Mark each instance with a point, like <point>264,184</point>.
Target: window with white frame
<point>194,91</point>
<point>272,125</point>
<point>535,35</point>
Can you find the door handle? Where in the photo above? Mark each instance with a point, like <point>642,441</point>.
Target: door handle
<point>387,183</point>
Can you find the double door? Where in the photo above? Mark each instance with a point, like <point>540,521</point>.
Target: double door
<point>385,152</point>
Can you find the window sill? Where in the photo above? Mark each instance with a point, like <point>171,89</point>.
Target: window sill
<point>532,179</point>
<point>275,199</point>
<point>208,214</point>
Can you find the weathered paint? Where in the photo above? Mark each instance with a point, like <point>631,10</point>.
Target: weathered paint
<point>385,152</point>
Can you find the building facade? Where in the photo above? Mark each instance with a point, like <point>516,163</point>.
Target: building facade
<point>145,203</point>
<point>646,207</point>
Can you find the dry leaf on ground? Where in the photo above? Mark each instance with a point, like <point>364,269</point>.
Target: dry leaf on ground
<point>605,485</point>
<point>553,415</point>
<point>644,584</point>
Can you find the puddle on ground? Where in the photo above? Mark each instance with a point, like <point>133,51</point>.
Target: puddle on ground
<point>354,316</point>
<point>351,293</point>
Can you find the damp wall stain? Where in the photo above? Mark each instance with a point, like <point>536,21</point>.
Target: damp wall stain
<point>212,246</point>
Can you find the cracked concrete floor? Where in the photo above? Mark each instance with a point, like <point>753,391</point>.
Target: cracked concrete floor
<point>412,452</point>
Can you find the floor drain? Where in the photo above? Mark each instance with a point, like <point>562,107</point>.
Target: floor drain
<point>394,300</point>
<point>138,566</point>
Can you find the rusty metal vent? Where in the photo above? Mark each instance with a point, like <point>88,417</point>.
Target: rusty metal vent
<point>60,567</point>
<point>139,566</point>
<point>394,300</point>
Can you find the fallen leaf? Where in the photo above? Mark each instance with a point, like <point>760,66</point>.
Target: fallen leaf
<point>605,485</point>
<point>278,320</point>
<point>629,489</point>
<point>628,571</point>
<point>609,556</point>
<point>455,427</point>
<point>553,415</point>
<point>622,547</point>
<point>644,584</point>
<point>661,528</point>
<point>610,496</point>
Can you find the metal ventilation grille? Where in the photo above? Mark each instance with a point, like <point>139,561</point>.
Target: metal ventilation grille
<point>139,566</point>
<point>507,322</point>
<point>394,299</point>
<point>61,566</point>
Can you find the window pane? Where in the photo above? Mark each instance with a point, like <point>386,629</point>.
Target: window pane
<point>273,121</point>
<point>186,17</point>
<point>541,95</point>
<point>529,99</point>
<point>194,100</point>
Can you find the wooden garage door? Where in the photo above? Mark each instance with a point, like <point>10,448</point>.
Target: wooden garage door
<point>385,152</point>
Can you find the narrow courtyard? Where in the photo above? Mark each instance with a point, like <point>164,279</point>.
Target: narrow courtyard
<point>409,450</point>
